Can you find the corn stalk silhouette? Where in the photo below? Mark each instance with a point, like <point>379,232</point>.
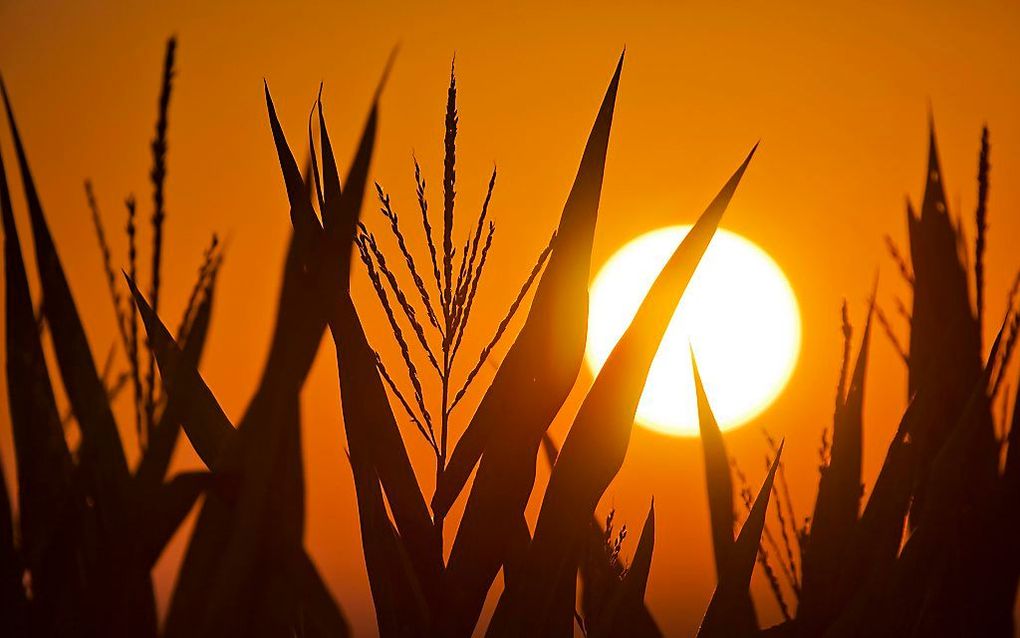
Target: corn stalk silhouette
<point>77,559</point>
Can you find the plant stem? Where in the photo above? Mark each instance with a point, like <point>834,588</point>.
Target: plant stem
<point>444,425</point>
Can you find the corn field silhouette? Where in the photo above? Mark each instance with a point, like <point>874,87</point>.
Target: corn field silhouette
<point>932,551</point>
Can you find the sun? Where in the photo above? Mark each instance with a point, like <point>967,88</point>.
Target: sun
<point>739,313</point>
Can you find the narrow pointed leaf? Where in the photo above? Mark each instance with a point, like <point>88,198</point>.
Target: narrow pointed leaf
<point>301,213</point>
<point>942,322</point>
<point>204,421</point>
<point>626,611</point>
<point>369,423</point>
<point>838,503</point>
<point>101,446</point>
<point>594,450</point>
<point>167,511</point>
<point>45,469</point>
<point>400,607</point>
<point>717,476</point>
<point>155,461</point>
<point>720,488</point>
<point>722,617</point>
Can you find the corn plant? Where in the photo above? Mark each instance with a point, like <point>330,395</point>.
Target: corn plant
<point>89,528</point>
<point>849,570</point>
<point>77,560</point>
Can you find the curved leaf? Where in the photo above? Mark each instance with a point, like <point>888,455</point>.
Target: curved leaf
<point>594,450</point>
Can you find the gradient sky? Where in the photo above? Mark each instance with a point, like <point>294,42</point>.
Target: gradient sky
<point>839,96</point>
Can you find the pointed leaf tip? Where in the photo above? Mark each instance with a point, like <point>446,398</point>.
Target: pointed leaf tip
<point>390,61</point>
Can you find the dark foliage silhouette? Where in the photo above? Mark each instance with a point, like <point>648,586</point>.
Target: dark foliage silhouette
<point>931,551</point>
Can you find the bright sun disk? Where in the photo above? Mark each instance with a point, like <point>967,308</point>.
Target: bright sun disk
<point>739,313</point>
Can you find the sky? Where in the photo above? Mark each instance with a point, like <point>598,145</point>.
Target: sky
<point>839,94</point>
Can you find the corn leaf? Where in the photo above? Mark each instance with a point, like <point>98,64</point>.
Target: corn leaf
<point>102,453</point>
<point>717,476</point>
<point>942,323</point>
<point>166,511</point>
<point>204,421</point>
<point>624,615</point>
<point>400,606</point>
<point>720,488</point>
<point>321,615</point>
<point>156,459</point>
<point>837,505</point>
<point>597,443</point>
<point>49,505</point>
<point>723,617</point>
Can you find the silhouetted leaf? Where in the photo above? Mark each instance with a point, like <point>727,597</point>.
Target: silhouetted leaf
<point>120,594</point>
<point>723,617</point>
<point>624,614</point>
<point>597,443</point>
<point>370,413</point>
<point>204,421</point>
<point>163,439</point>
<point>49,505</point>
<point>166,511</point>
<point>942,323</point>
<point>101,451</point>
<point>400,606</point>
<point>717,476</point>
<point>321,615</point>
<point>838,503</point>
<point>720,488</point>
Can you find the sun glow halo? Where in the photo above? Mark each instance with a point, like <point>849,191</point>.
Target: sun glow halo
<point>739,313</point>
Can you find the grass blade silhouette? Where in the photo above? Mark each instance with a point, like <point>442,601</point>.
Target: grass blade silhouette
<point>156,459</point>
<point>212,435</point>
<point>624,614</point>
<point>126,605</point>
<point>942,324</point>
<point>102,452</point>
<point>879,532</point>
<point>371,412</point>
<point>600,578</point>
<point>206,425</point>
<point>49,505</point>
<point>594,450</point>
<point>166,511</point>
<point>723,617</point>
<point>720,489</point>
<point>837,505</point>
<point>400,607</point>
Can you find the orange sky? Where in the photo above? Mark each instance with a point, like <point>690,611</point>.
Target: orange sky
<point>837,95</point>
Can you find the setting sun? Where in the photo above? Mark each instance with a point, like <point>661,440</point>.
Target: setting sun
<point>739,313</point>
